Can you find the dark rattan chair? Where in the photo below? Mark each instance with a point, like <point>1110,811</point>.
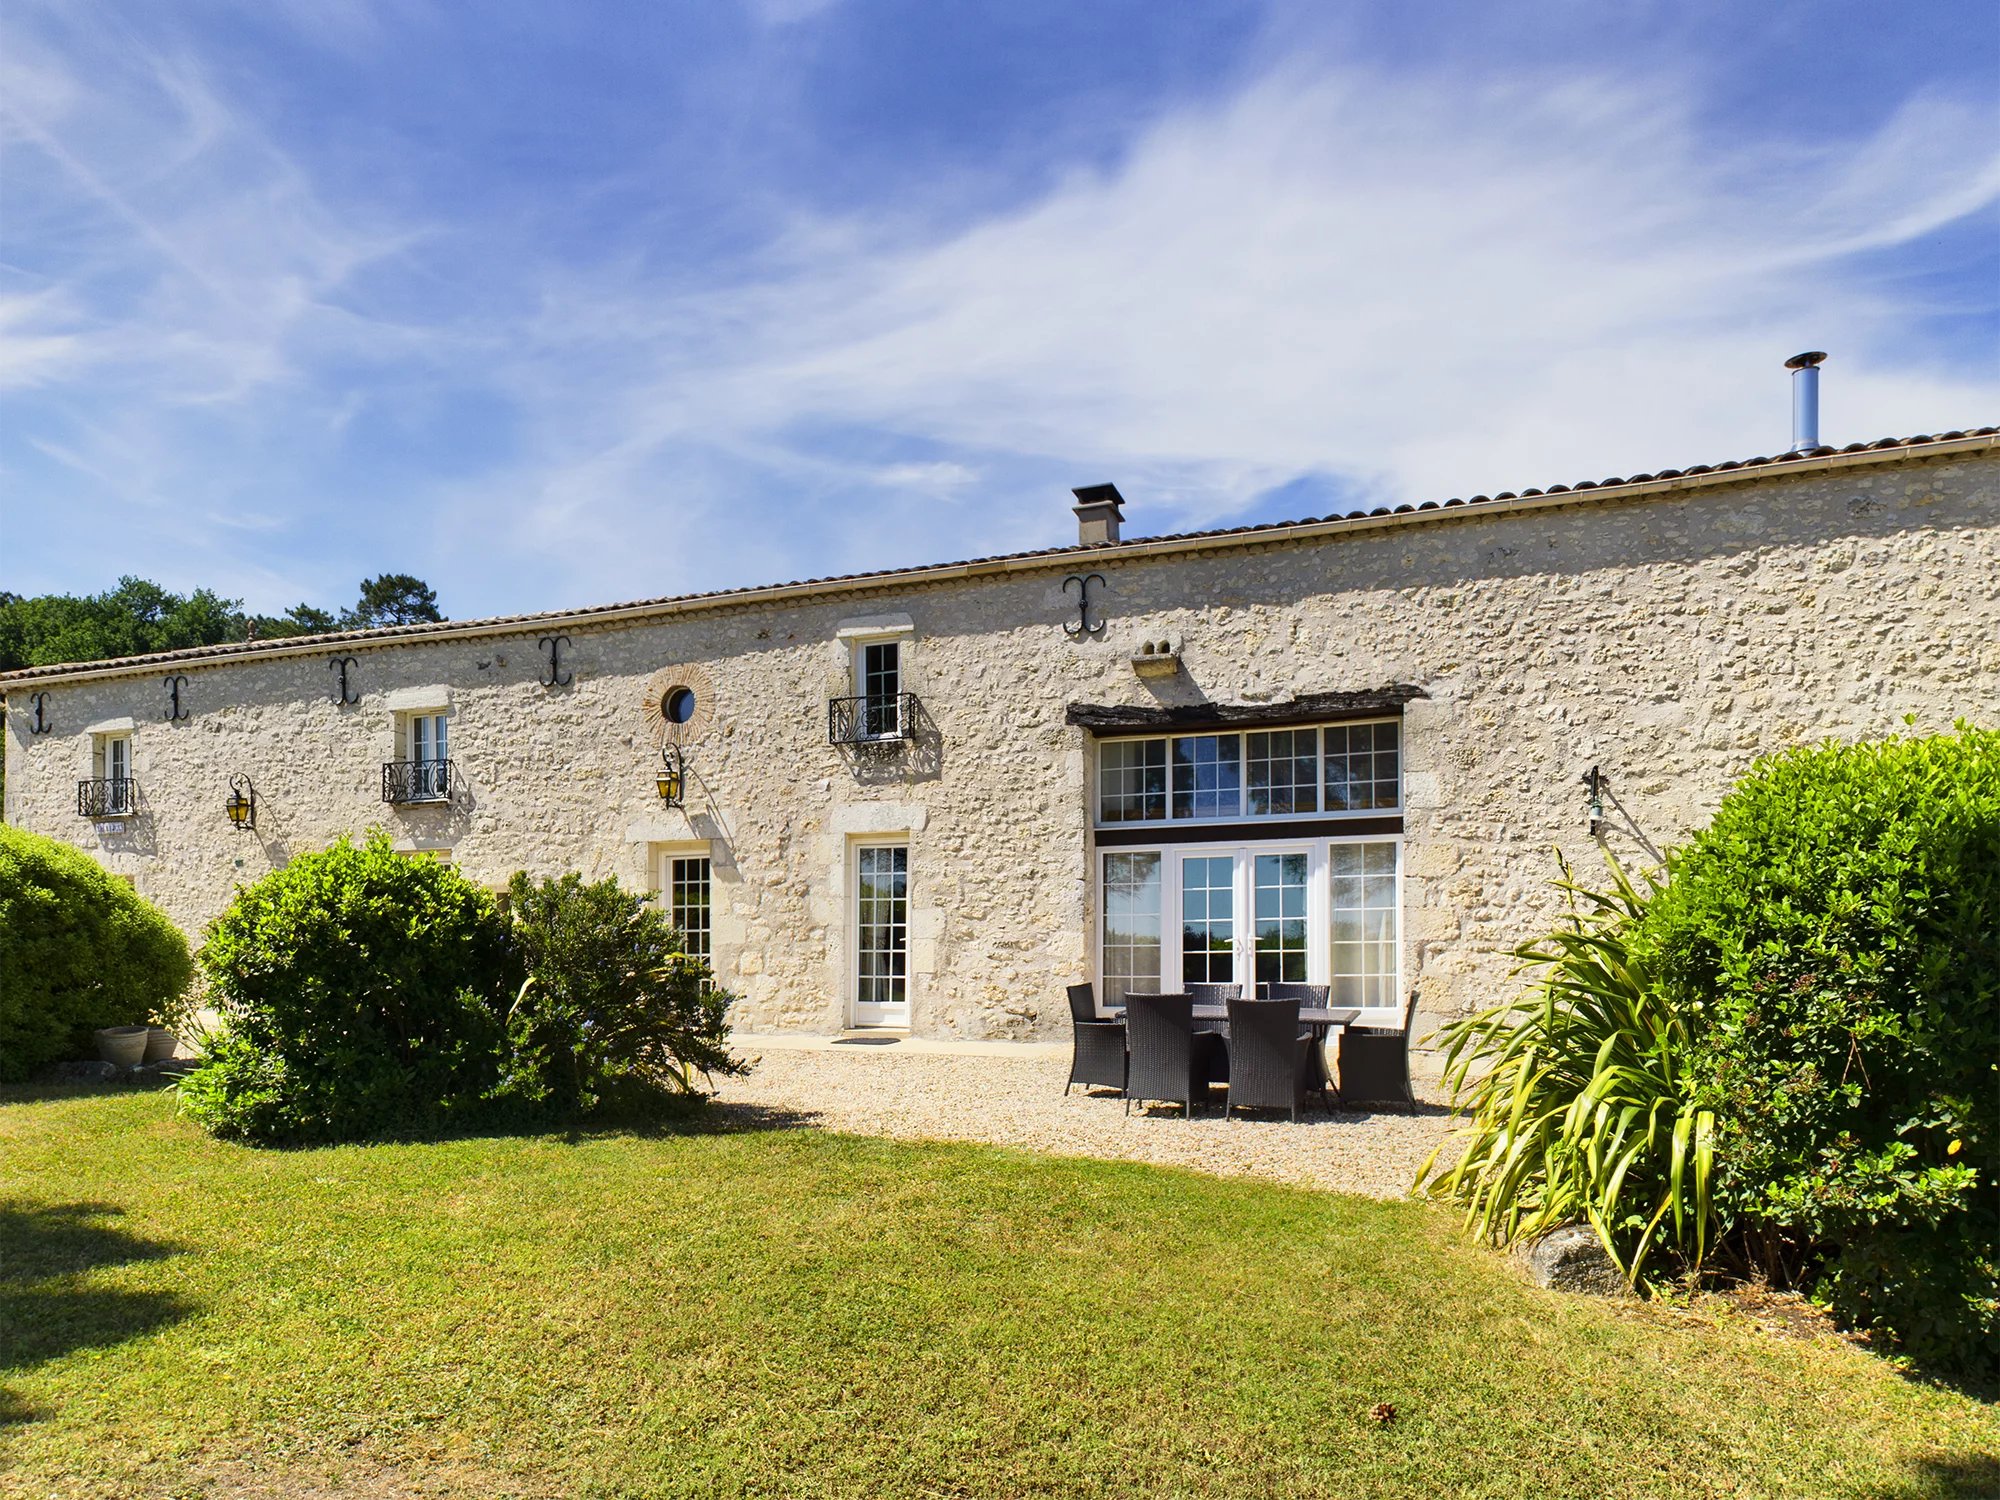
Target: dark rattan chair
<point>1307,995</point>
<point>1270,1056</point>
<point>1213,994</point>
<point>1168,1059</point>
<point>1099,1055</point>
<point>1375,1063</point>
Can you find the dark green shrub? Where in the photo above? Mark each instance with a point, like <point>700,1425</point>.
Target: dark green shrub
<point>79,949</point>
<point>362,994</point>
<point>612,1005</point>
<point>1833,938</point>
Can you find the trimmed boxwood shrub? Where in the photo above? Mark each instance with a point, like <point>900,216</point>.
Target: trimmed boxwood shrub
<point>1833,940</point>
<point>79,949</point>
<point>362,994</point>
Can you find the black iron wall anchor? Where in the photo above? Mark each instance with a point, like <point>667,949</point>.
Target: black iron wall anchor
<point>1082,625</point>
<point>175,682</point>
<point>41,724</point>
<point>340,666</point>
<point>1594,780</point>
<point>555,676</point>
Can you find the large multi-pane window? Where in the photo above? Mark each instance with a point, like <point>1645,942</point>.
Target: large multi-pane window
<point>1208,776</point>
<point>1283,772</point>
<point>1325,770</point>
<point>1324,910</point>
<point>1363,767</point>
<point>1130,925</point>
<point>1132,781</point>
<point>687,902</point>
<point>1365,911</point>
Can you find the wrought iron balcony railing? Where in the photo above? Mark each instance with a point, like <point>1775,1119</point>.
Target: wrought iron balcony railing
<point>107,797</point>
<point>416,781</point>
<point>886,719</point>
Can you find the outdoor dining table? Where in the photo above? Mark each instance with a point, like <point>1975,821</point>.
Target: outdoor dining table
<point>1322,1020</point>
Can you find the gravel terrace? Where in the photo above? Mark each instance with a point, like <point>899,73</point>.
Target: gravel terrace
<point>1014,1097</point>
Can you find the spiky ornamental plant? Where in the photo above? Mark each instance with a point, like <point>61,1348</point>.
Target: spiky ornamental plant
<point>1579,1099</point>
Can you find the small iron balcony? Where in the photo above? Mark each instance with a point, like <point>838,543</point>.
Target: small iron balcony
<point>416,781</point>
<point>107,797</point>
<point>887,719</point>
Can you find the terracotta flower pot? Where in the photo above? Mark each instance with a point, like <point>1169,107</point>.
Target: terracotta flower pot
<point>123,1046</point>
<point>160,1044</point>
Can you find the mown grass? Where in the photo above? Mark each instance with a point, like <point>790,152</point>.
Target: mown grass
<point>789,1313</point>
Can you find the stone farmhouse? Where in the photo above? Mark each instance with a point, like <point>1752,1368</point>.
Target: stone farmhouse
<point>1343,751</point>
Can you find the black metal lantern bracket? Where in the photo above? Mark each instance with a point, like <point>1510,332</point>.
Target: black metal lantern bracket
<point>1594,781</point>
<point>671,782</point>
<point>242,803</point>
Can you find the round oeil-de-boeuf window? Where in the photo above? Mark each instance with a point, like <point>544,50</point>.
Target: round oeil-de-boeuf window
<point>680,701</point>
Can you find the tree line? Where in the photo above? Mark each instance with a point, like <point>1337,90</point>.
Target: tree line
<point>138,617</point>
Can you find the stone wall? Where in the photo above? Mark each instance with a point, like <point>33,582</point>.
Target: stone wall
<point>1669,640</point>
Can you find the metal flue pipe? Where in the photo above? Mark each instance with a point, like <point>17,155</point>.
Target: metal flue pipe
<point>1805,399</point>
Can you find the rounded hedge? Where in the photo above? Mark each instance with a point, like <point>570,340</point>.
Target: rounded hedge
<point>362,994</point>
<point>79,949</point>
<point>1833,940</point>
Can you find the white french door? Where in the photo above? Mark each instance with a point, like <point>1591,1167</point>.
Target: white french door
<point>1316,911</point>
<point>881,935</point>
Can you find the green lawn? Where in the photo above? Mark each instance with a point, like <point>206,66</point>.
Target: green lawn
<point>788,1313</point>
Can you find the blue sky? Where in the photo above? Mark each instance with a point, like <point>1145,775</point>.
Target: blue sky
<point>556,305</point>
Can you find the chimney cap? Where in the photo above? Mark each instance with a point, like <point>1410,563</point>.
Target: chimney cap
<point>1805,361</point>
<point>1098,494</point>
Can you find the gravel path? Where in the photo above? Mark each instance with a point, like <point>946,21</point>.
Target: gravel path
<point>1019,1101</point>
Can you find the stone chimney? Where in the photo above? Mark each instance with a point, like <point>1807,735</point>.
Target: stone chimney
<point>1099,509</point>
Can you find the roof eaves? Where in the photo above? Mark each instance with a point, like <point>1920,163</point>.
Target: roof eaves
<point>1665,481</point>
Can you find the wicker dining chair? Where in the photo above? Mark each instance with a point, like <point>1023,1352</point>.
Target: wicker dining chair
<point>1168,1059</point>
<point>1098,1056</point>
<point>1313,995</point>
<point>1270,1057</point>
<point>1213,994</point>
<point>1375,1063</point>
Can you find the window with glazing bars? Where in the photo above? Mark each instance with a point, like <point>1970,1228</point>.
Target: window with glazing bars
<point>1282,772</point>
<point>1132,781</point>
<point>882,924</point>
<point>687,902</point>
<point>1363,766</point>
<point>1208,776</point>
<point>881,690</point>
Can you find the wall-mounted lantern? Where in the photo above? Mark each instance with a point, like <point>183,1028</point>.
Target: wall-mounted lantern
<point>672,778</point>
<point>242,803</point>
<point>1593,781</point>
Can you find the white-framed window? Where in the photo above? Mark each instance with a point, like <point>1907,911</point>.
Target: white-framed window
<point>685,881</point>
<point>878,683</point>
<point>427,747</point>
<point>1312,911</point>
<point>111,764</point>
<point>1307,771</point>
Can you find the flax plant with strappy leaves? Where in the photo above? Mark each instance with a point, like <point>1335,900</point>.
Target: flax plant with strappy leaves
<point>1580,1102</point>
